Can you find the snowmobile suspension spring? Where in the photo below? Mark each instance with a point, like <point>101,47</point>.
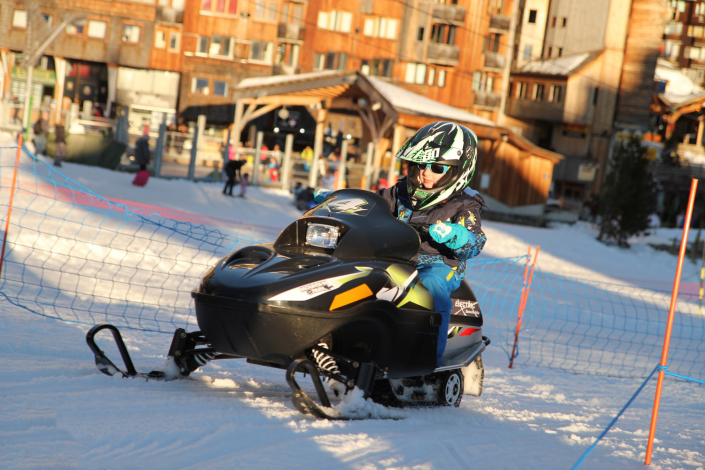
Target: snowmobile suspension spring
<point>324,361</point>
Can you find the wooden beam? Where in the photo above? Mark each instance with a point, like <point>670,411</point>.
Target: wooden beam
<point>290,100</point>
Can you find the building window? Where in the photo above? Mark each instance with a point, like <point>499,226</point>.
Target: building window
<point>218,6</point>
<point>131,33</point>
<point>548,52</point>
<point>419,35</point>
<point>553,21</point>
<point>431,76</point>
<point>673,28</point>
<point>298,15</point>
<point>438,33</point>
<point>272,11</point>
<point>492,43</point>
<point>221,46</point>
<point>76,30</point>
<point>415,73</point>
<point>451,35</point>
<point>260,6</point>
<point>555,94</point>
<point>538,92</point>
<point>379,67</point>
<point>335,21</point>
<point>19,19</point>
<point>521,90</point>
<point>199,85</point>
<point>564,21</point>
<point>294,55</point>
<point>160,40</point>
<point>384,28</point>
<point>532,16</point>
<point>202,45</point>
<point>220,88</point>
<point>330,61</point>
<point>261,51</point>
<point>319,61</point>
<point>49,19</point>
<point>285,14</point>
<point>441,78</point>
<point>594,96</point>
<point>365,67</point>
<point>527,53</point>
<point>489,88</point>
<point>476,81</point>
<point>174,42</point>
<point>560,51</point>
<point>97,29</point>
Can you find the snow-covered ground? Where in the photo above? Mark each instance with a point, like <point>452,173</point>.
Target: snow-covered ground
<point>58,411</point>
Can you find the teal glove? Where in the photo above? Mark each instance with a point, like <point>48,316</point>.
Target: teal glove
<point>452,235</point>
<point>321,195</point>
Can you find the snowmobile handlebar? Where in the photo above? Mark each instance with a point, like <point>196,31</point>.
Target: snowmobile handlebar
<point>421,228</point>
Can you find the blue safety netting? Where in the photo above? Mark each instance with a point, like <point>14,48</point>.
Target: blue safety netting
<point>76,256</point>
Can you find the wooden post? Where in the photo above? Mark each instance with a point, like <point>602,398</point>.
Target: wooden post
<point>396,146</point>
<point>367,176</point>
<point>12,199</point>
<point>669,325</point>
<point>286,164</point>
<point>197,143</point>
<point>159,150</point>
<point>317,147</point>
<point>237,125</point>
<point>343,167</point>
<point>258,158</point>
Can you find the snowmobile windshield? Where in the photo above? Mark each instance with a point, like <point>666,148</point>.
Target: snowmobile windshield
<point>365,229</point>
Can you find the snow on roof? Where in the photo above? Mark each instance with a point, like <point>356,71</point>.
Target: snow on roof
<point>281,79</point>
<point>409,102</point>
<point>564,66</point>
<point>679,87</point>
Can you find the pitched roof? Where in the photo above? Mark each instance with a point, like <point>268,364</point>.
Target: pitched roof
<point>562,66</point>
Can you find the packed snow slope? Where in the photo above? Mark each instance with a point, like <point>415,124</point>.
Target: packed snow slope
<point>58,411</point>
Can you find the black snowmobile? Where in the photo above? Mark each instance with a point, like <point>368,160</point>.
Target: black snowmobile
<point>337,296</point>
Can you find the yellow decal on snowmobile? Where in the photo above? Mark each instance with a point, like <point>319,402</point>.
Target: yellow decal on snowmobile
<point>353,295</point>
<point>418,295</point>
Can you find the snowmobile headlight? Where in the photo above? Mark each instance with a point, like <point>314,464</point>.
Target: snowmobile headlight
<point>323,236</point>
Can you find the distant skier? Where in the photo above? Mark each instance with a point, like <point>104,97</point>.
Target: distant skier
<point>243,184</point>
<point>232,169</point>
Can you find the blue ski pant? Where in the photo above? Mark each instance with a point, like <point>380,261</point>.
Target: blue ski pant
<point>440,279</point>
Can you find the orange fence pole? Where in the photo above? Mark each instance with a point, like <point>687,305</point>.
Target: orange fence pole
<point>522,301</point>
<point>669,325</point>
<point>12,198</point>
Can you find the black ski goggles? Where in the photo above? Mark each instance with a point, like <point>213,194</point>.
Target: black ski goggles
<point>436,168</point>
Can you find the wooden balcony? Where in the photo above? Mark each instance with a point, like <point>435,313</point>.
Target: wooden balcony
<point>290,33</point>
<point>450,13</point>
<point>487,100</point>
<point>443,54</point>
<point>494,61</point>
<point>500,24</point>
<point>530,109</point>
<point>169,15</point>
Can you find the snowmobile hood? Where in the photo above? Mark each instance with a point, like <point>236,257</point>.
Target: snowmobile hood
<point>367,229</point>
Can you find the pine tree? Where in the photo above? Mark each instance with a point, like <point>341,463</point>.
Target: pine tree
<point>629,194</point>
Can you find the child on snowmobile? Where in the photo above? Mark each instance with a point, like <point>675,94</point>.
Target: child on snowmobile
<point>441,158</point>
